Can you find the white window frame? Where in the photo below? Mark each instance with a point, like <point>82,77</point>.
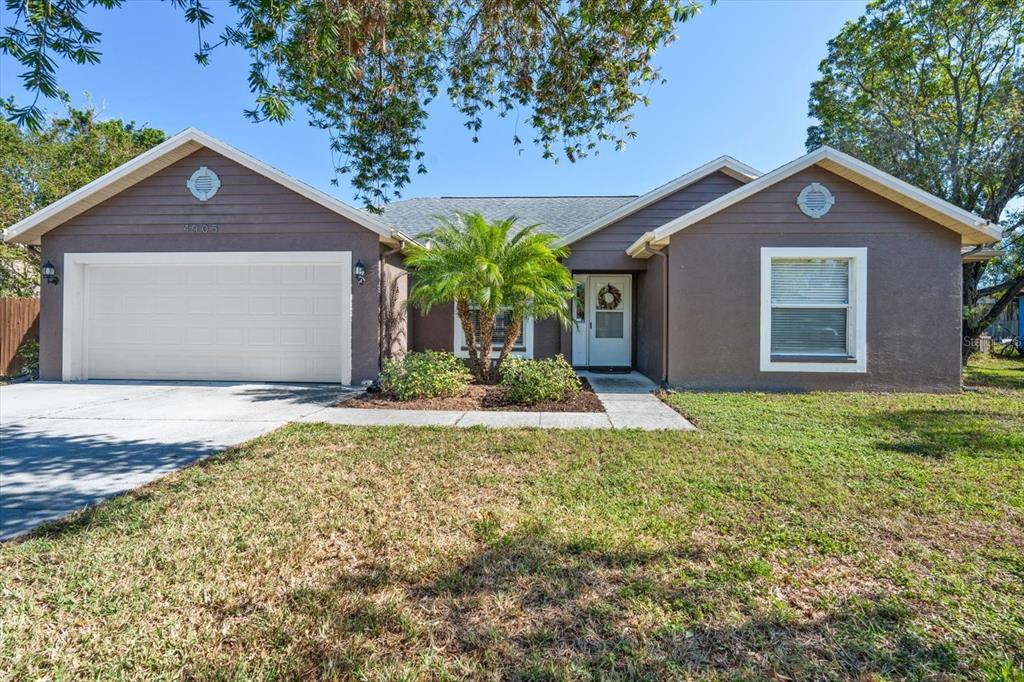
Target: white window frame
<point>856,319</point>
<point>460,339</point>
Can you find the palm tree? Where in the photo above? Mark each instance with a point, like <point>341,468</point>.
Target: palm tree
<point>491,267</point>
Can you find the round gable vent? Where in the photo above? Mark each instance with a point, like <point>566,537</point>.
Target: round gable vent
<point>815,200</point>
<point>203,184</point>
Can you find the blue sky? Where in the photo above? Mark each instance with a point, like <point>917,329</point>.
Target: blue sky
<point>738,81</point>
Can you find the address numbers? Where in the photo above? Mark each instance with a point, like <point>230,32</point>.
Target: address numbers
<point>201,228</point>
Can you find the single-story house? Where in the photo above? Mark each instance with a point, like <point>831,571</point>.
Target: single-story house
<point>197,261</point>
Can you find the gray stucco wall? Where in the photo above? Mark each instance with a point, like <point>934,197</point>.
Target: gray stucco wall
<point>650,287</point>
<point>913,291</point>
<point>435,330</point>
<point>394,271</point>
<point>253,214</point>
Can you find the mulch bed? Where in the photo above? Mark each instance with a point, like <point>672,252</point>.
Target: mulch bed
<point>477,397</point>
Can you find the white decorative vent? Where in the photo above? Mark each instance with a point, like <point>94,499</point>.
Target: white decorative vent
<point>815,200</point>
<point>203,184</point>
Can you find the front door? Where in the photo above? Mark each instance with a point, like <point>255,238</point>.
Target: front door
<point>609,337</point>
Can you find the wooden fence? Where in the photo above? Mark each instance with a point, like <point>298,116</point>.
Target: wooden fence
<point>19,322</point>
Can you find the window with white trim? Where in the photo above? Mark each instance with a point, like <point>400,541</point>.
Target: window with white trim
<point>813,313</point>
<point>523,345</point>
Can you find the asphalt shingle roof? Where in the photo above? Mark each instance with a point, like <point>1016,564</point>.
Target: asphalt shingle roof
<point>560,215</point>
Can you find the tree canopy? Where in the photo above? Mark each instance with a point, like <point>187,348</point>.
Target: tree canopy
<point>366,71</point>
<point>932,91</point>
<point>40,166</point>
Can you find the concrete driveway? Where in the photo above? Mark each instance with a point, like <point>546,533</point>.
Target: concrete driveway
<point>66,446</point>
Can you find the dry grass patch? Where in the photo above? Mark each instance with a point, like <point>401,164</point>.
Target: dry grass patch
<point>811,536</point>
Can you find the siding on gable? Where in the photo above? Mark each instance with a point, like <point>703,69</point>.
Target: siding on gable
<point>606,249</point>
<point>252,212</point>
<point>914,282</point>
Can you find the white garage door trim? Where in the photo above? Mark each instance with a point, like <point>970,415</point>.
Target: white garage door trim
<point>74,303</point>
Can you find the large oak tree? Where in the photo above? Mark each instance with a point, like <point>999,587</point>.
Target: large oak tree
<point>366,70</point>
<point>38,167</point>
<point>932,91</point>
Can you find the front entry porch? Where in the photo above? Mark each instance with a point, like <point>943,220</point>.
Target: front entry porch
<point>602,313</point>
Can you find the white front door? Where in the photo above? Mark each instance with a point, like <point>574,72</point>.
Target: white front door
<point>610,325</point>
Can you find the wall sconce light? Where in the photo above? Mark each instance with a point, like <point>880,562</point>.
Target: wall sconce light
<point>49,273</point>
<point>359,270</point>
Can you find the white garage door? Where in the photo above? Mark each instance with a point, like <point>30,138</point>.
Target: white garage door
<point>251,317</point>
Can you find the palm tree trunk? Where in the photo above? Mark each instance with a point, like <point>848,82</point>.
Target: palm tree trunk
<point>511,334</point>
<point>466,320</point>
<point>486,318</point>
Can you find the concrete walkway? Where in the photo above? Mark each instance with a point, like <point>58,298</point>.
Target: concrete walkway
<point>628,399</point>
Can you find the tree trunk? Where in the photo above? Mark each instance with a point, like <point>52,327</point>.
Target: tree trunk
<point>510,340</point>
<point>486,318</point>
<point>973,330</point>
<point>466,319</point>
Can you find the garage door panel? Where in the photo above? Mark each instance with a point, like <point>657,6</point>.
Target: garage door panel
<point>262,305</point>
<point>323,274</point>
<point>265,322</point>
<point>265,274</point>
<point>263,337</point>
<point>294,274</point>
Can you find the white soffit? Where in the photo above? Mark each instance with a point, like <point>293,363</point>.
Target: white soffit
<point>724,164</point>
<point>973,229</point>
<point>30,229</point>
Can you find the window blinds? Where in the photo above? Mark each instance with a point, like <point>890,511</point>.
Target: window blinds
<point>810,306</point>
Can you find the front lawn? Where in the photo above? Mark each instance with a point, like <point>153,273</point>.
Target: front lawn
<point>813,536</point>
<point>986,370</point>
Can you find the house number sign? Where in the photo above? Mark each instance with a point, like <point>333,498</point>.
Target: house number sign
<point>201,228</point>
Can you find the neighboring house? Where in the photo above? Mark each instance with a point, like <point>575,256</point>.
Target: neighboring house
<point>1010,322</point>
<point>196,261</point>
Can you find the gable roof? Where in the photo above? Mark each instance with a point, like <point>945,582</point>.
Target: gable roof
<point>30,229</point>
<point>972,228</point>
<point>723,164</point>
<point>557,215</point>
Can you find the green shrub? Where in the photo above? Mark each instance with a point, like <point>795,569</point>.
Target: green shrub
<point>529,382</point>
<point>431,374</point>
<point>29,356</point>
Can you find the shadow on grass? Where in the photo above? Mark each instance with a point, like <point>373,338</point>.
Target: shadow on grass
<point>939,433</point>
<point>531,607</point>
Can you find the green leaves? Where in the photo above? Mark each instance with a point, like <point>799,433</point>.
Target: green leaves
<point>492,266</point>
<point>41,32</point>
<point>366,71</point>
<point>933,92</point>
<point>37,167</point>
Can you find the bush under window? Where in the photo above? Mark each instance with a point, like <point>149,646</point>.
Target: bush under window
<point>430,374</point>
<point>535,381</point>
